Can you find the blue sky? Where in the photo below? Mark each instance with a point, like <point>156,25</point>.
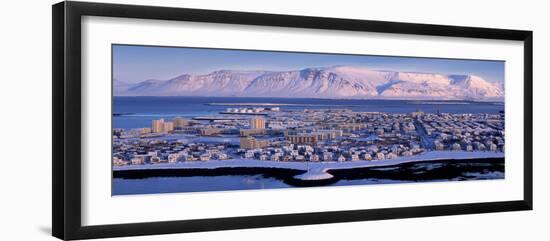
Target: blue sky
<point>138,63</point>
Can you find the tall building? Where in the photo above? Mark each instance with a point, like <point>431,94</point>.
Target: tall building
<point>160,126</point>
<point>257,123</point>
<point>168,126</point>
<point>157,126</point>
<point>180,123</point>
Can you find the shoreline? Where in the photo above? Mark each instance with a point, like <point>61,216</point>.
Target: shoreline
<point>426,156</point>
<point>497,100</point>
<point>305,174</point>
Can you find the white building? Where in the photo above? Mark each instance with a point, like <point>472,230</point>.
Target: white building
<point>275,157</point>
<point>456,147</point>
<point>314,158</point>
<point>367,157</point>
<point>205,157</point>
<point>327,156</point>
<point>391,155</point>
<point>439,146</point>
<point>249,155</point>
<point>341,158</point>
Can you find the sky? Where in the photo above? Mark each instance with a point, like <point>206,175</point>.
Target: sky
<point>138,63</point>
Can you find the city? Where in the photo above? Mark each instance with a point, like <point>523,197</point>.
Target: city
<point>265,132</point>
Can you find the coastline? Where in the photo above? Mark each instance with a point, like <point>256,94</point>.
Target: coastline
<point>307,174</point>
<point>487,100</point>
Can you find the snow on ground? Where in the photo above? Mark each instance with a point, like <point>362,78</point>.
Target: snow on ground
<point>316,170</point>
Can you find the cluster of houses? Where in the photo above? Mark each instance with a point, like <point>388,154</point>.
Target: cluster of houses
<point>466,132</point>
<point>152,152</point>
<point>300,153</point>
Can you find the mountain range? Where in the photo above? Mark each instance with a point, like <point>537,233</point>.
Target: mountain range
<point>338,82</point>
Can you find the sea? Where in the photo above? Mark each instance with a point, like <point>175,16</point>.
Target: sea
<point>136,112</point>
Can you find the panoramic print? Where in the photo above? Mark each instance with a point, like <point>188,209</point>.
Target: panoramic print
<point>204,119</point>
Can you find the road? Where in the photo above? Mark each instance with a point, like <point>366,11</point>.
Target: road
<point>425,140</point>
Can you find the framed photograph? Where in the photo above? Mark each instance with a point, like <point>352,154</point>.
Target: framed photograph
<point>171,120</point>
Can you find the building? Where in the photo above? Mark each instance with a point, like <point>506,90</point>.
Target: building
<point>204,157</point>
<point>327,156</point>
<point>327,134</point>
<point>222,156</point>
<point>305,138</point>
<point>456,147</point>
<point>257,123</point>
<point>439,146</point>
<point>173,158</point>
<point>180,123</point>
<point>249,155</point>
<point>251,132</point>
<point>209,131</point>
<point>136,161</point>
<point>391,155</point>
<point>351,127</point>
<point>479,146</point>
<point>161,126</point>
<point>119,162</point>
<point>417,114</point>
<point>132,133</point>
<point>168,126</point>
<point>275,157</point>
<point>189,158</point>
<point>367,157</point>
<point>141,159</point>
<point>314,158</point>
<point>156,159</point>
<point>341,158</point>
<point>252,143</point>
<point>157,126</point>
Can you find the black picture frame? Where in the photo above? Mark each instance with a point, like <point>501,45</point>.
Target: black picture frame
<point>66,75</point>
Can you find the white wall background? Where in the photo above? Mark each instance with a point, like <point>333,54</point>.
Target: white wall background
<point>25,137</point>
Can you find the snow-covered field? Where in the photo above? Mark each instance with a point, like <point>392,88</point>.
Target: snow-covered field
<point>316,170</point>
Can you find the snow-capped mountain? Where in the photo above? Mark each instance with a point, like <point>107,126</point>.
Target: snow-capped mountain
<point>331,82</point>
